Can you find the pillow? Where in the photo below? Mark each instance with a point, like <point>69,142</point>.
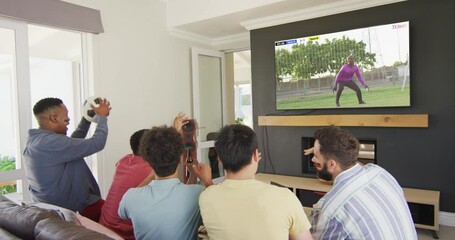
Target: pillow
<point>21,221</point>
<point>66,214</point>
<point>57,229</point>
<point>92,225</point>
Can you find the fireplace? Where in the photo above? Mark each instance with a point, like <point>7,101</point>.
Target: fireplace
<point>367,154</point>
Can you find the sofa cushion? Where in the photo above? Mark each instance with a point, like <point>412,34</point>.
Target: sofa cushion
<point>50,229</point>
<point>67,214</point>
<point>21,221</point>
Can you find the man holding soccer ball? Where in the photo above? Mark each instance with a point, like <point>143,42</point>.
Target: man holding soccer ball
<point>54,162</point>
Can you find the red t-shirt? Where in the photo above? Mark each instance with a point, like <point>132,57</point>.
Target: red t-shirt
<point>130,171</point>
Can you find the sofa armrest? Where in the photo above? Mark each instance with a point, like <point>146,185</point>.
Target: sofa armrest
<point>5,235</point>
<point>21,221</point>
<point>57,229</point>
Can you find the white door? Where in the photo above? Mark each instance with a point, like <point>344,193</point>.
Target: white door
<point>209,100</point>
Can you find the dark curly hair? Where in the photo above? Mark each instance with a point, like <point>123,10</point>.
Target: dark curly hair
<point>338,144</point>
<point>135,140</point>
<point>235,145</point>
<point>45,104</point>
<point>162,147</point>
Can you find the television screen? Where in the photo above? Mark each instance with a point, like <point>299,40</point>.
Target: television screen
<point>366,68</point>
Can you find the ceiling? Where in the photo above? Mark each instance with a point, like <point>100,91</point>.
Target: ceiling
<point>231,24</point>
<point>205,21</point>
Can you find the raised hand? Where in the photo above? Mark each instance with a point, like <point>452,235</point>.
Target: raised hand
<point>308,151</point>
<point>104,107</point>
<point>180,120</point>
<point>204,173</point>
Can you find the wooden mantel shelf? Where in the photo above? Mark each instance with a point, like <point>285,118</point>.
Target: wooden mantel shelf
<point>365,120</point>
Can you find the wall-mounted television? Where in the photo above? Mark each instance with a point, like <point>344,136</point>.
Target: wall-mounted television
<point>359,68</point>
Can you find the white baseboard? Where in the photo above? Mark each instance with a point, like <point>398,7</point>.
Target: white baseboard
<point>447,219</point>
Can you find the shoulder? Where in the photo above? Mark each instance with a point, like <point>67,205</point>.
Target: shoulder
<point>211,192</point>
<point>34,131</point>
<point>190,192</point>
<point>130,192</point>
<point>284,195</point>
<point>370,167</point>
<point>43,133</point>
<point>281,198</point>
<point>211,189</point>
<point>123,160</point>
<point>375,169</point>
<point>192,188</point>
<point>43,138</point>
<point>137,191</point>
<point>273,189</point>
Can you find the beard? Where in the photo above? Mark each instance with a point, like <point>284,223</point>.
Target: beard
<point>324,174</point>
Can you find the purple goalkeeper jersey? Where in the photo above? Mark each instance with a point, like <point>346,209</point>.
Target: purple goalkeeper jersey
<point>346,72</point>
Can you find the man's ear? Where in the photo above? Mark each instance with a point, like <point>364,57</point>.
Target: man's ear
<point>332,164</point>
<point>53,118</point>
<point>255,155</point>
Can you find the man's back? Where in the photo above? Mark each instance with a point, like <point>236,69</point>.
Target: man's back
<point>130,171</point>
<point>365,203</point>
<point>164,209</point>
<point>249,209</point>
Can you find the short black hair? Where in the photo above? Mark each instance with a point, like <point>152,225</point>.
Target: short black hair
<point>338,144</point>
<point>45,104</point>
<point>135,140</point>
<point>235,145</point>
<point>162,147</point>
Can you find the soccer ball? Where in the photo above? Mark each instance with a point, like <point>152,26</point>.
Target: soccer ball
<point>87,110</point>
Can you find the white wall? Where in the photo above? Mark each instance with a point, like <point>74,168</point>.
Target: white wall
<point>141,69</point>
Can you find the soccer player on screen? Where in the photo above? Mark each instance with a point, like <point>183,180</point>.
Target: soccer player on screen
<point>344,79</point>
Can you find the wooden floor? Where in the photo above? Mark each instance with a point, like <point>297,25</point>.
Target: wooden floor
<point>445,233</point>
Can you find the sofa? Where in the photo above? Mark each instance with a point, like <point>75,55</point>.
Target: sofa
<point>44,222</point>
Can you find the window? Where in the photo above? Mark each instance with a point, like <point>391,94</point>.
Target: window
<point>242,88</point>
<point>55,59</point>
<point>243,106</point>
<point>35,62</point>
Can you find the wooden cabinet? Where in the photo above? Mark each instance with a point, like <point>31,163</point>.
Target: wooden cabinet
<point>424,204</point>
